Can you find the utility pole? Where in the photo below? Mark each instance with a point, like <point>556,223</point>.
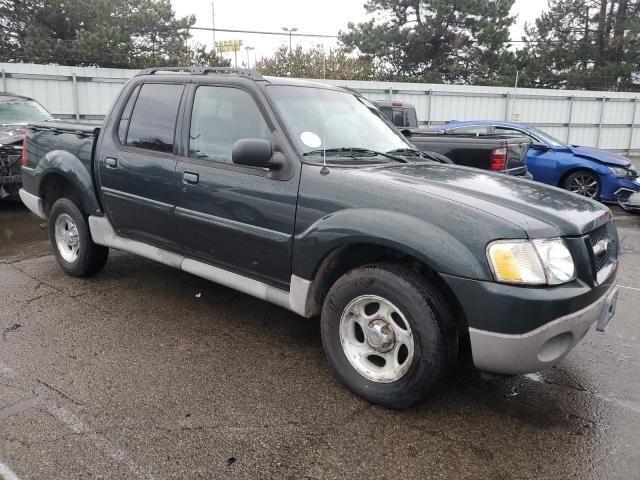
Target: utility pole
<point>248,49</point>
<point>290,30</point>
<point>515,98</point>
<point>213,26</point>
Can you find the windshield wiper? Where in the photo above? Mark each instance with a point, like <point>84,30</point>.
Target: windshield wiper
<point>406,151</point>
<point>357,152</point>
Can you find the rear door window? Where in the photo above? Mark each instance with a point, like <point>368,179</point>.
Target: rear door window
<point>153,120</point>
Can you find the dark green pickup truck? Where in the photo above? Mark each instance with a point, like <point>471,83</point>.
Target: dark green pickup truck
<point>304,195</point>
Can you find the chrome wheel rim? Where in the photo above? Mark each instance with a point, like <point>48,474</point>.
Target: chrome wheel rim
<point>376,339</point>
<point>67,238</point>
<point>585,185</point>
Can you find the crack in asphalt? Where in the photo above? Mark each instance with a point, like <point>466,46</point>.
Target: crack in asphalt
<point>18,407</point>
<point>59,392</point>
<point>577,385</point>
<point>12,328</point>
<point>78,297</point>
<point>73,423</point>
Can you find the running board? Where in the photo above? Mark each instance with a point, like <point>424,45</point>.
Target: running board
<point>295,300</point>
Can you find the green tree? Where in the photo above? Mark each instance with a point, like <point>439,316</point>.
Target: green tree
<point>440,41</point>
<point>316,63</point>
<point>106,33</point>
<point>584,44</point>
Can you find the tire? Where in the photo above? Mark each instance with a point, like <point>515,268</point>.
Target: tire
<point>85,260</point>
<point>419,305</point>
<point>583,182</point>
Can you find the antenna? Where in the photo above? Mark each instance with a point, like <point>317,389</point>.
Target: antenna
<point>324,170</point>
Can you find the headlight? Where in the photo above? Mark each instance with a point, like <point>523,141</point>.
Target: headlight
<point>556,260</point>
<point>619,171</point>
<point>537,262</point>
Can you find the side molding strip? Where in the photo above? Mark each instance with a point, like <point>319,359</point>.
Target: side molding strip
<point>103,234</point>
<point>296,300</point>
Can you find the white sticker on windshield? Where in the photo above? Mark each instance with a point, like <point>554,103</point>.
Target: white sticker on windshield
<point>310,139</point>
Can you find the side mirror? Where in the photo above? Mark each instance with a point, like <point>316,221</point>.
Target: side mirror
<point>541,147</point>
<point>252,152</point>
<point>406,132</point>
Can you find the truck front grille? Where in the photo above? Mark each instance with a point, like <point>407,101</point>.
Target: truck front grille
<point>9,160</point>
<point>601,246</point>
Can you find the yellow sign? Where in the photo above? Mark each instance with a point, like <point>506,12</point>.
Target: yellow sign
<point>229,46</point>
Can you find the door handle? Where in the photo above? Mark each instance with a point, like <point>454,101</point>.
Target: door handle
<point>190,178</point>
<point>111,162</point>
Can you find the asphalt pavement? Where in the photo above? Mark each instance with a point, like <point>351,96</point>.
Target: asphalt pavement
<point>148,372</point>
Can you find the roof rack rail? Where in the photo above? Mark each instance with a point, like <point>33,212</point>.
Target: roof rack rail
<point>204,70</point>
<point>11,94</point>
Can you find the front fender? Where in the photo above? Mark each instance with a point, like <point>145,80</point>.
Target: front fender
<point>432,245</point>
<point>569,162</point>
<point>74,171</point>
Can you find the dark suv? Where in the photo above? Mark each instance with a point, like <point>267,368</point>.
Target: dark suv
<point>306,196</point>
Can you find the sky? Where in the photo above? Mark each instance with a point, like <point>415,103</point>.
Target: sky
<point>326,17</point>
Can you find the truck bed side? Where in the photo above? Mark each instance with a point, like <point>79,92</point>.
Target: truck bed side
<point>59,157</point>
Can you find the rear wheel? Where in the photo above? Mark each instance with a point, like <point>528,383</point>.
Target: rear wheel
<point>388,334</point>
<point>583,182</point>
<point>71,240</point>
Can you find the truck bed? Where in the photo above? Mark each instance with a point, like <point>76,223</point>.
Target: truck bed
<point>75,138</point>
<point>473,150</point>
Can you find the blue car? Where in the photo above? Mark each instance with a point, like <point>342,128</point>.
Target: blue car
<point>591,172</point>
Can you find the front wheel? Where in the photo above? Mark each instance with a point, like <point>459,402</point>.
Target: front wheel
<point>583,182</point>
<point>388,333</point>
<point>71,240</point>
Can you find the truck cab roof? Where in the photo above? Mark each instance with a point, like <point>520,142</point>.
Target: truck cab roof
<point>171,73</point>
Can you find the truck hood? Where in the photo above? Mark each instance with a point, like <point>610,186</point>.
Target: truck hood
<point>10,134</point>
<point>540,210</point>
<point>601,156</point>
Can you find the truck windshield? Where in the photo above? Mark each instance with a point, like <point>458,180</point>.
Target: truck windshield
<point>22,111</point>
<point>322,119</point>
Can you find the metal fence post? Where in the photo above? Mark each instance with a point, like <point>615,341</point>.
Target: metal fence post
<point>391,94</point>
<point>570,120</point>
<point>74,94</point>
<point>604,99</point>
<point>633,124</point>
<point>4,81</point>
<point>430,95</point>
<point>507,108</point>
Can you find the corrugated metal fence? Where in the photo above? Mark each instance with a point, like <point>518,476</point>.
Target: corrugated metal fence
<point>607,120</point>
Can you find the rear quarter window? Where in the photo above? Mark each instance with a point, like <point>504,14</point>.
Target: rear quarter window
<point>126,116</point>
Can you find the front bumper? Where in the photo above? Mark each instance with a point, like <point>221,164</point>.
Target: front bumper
<point>629,199</point>
<point>10,167</point>
<point>543,347</point>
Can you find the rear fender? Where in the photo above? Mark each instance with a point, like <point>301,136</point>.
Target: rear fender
<point>75,173</point>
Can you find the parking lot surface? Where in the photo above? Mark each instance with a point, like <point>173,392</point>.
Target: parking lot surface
<point>147,372</point>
